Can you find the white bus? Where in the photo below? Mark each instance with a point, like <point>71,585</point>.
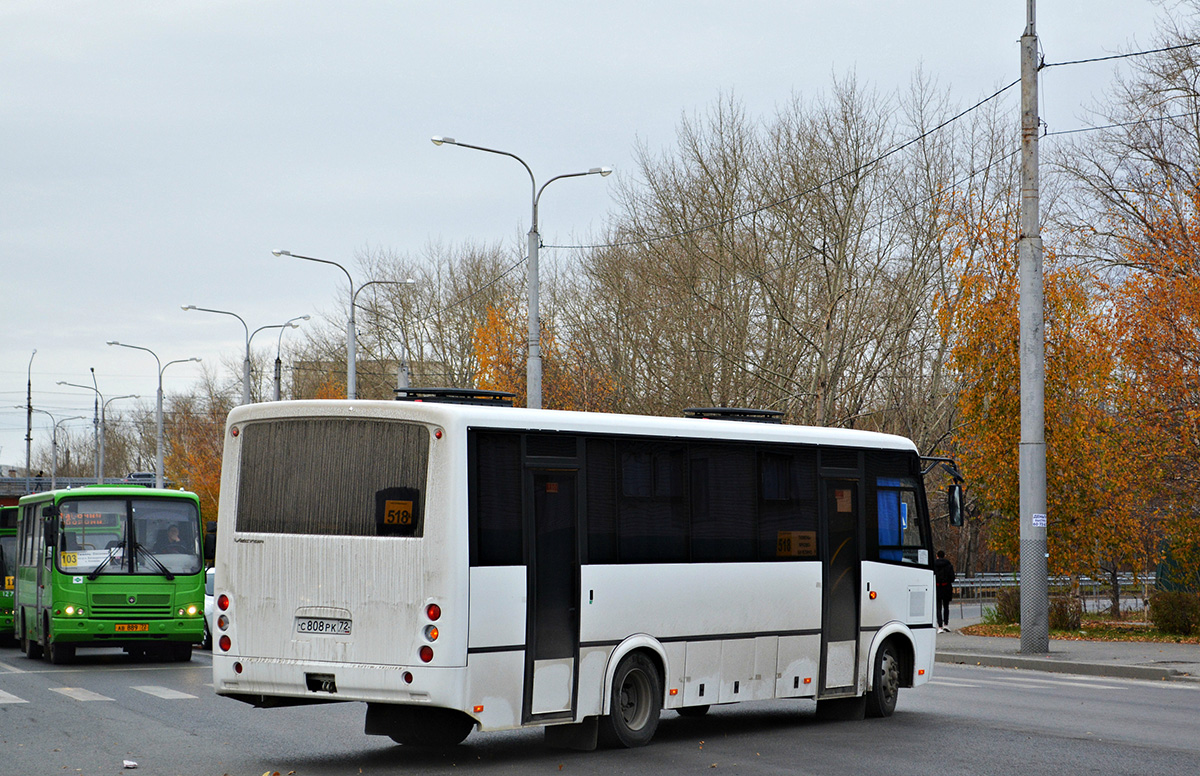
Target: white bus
<point>455,565</point>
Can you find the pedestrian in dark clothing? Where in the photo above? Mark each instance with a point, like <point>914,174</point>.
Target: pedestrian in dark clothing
<point>943,575</point>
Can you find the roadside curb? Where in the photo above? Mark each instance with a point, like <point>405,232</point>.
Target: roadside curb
<point>1060,666</point>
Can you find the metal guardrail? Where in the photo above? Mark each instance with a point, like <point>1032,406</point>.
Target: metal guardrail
<point>985,586</point>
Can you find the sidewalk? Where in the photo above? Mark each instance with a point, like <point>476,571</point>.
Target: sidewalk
<point>1119,659</point>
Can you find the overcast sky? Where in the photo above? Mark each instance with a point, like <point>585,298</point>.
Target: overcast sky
<point>152,154</point>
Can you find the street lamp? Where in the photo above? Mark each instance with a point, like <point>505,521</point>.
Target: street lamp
<point>534,359</point>
<point>246,361</point>
<point>158,407</point>
<point>279,348</point>
<point>351,336</point>
<point>102,403</point>
<point>54,444</point>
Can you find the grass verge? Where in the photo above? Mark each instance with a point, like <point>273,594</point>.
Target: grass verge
<point>1093,628</point>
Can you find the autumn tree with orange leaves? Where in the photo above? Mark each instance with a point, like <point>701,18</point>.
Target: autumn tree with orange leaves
<point>567,382</point>
<point>197,443</point>
<point>1094,523</point>
<point>1156,322</point>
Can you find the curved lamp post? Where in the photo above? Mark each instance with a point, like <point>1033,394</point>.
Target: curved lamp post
<point>533,370</point>
<point>158,408</point>
<point>54,444</point>
<point>102,404</point>
<point>279,348</point>
<point>246,360</point>
<point>351,335</point>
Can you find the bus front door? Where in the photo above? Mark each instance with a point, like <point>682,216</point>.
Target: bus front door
<point>552,624</point>
<point>840,618</point>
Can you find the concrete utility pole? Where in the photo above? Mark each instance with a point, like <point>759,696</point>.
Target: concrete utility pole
<point>1035,603</point>
<point>29,413</point>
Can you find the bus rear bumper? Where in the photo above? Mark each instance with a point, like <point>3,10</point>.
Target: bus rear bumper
<point>269,682</point>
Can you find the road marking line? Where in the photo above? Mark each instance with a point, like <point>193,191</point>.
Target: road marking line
<point>162,692</point>
<point>951,684</point>
<point>80,694</point>
<point>1086,684</point>
<point>11,669</point>
<point>7,698</point>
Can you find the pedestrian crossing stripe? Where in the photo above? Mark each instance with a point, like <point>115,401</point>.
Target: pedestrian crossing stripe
<point>7,698</point>
<point>163,692</point>
<point>80,694</point>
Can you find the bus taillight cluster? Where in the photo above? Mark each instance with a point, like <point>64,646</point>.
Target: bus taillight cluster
<point>434,613</point>
<point>225,643</point>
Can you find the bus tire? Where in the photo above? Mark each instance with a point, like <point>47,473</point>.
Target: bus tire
<point>181,653</point>
<point>31,647</point>
<point>885,682</point>
<point>636,702</point>
<point>694,712</point>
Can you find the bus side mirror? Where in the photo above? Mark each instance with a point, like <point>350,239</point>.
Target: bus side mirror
<point>210,540</point>
<point>51,532</point>
<point>954,504</point>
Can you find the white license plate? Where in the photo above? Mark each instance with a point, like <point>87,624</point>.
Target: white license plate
<point>323,625</point>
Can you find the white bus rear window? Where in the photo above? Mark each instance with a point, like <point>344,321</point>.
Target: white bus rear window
<point>333,476</point>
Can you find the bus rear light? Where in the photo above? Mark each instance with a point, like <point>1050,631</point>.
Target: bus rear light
<point>223,622</point>
<point>408,677</point>
<point>237,668</point>
<point>426,653</point>
<point>223,602</point>
<point>920,672</point>
<point>874,595</point>
<point>225,643</point>
<point>478,709</point>
<point>808,680</point>
<point>433,612</point>
<point>437,434</point>
<point>431,633</point>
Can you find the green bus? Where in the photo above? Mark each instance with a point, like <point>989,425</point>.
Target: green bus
<point>8,568</point>
<point>109,566</point>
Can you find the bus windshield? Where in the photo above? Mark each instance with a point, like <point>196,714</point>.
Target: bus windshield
<point>8,557</point>
<point>128,536</point>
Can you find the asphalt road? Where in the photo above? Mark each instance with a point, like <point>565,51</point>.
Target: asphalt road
<point>92,716</point>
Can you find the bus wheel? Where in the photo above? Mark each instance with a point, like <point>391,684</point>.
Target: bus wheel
<point>181,653</point>
<point>636,701</point>
<point>885,685</point>
<point>31,647</point>
<point>692,711</point>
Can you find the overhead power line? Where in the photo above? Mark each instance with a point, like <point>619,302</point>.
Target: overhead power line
<point>789,198</point>
<point>1127,55</point>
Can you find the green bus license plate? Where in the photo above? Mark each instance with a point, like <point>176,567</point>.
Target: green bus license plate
<point>323,625</point>
<point>138,628</point>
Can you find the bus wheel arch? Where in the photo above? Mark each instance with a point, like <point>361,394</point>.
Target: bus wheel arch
<point>639,643</point>
<point>634,698</point>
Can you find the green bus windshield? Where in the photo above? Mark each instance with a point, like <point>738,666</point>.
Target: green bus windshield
<point>113,535</point>
<point>8,556</point>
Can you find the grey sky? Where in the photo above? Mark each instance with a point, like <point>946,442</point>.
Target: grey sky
<point>152,154</point>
